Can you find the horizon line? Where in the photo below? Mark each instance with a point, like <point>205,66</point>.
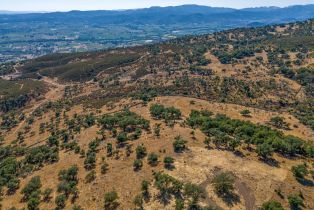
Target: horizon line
<point>140,8</point>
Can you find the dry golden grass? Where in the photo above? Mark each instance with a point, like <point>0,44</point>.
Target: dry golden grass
<point>256,181</point>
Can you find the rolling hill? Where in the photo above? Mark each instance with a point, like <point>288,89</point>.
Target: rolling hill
<point>214,121</point>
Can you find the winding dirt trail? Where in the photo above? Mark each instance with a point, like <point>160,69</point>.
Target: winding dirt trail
<point>55,93</point>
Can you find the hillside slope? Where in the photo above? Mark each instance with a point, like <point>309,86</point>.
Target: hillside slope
<point>220,121</point>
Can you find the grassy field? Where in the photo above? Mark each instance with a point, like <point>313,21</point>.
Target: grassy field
<point>10,89</point>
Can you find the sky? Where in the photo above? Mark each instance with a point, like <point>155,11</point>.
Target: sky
<point>66,5</point>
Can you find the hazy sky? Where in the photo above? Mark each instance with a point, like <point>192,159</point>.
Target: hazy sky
<point>65,5</point>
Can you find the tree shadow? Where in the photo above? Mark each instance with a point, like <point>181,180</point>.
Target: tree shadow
<point>208,147</point>
<point>112,206</point>
<point>238,153</point>
<point>147,196</point>
<point>122,145</point>
<point>153,164</point>
<point>270,161</point>
<point>230,198</point>
<point>305,182</point>
<point>164,198</point>
<point>296,207</point>
<point>135,169</point>
<point>170,167</point>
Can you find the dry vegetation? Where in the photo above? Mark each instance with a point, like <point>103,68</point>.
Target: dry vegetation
<point>172,115</point>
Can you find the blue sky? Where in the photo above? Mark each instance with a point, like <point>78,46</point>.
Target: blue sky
<point>66,5</point>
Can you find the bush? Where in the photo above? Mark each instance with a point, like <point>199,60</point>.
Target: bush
<point>245,113</point>
<point>145,188</point>
<point>272,205</point>
<point>47,194</point>
<point>104,168</point>
<point>122,137</point>
<point>137,164</point>
<point>152,159</point>
<point>157,130</point>
<point>168,161</point>
<point>60,201</point>
<point>13,185</point>
<point>295,201</point>
<point>223,183</point>
<point>157,110</point>
<point>222,130</point>
<point>90,160</point>
<point>167,184</point>
<point>179,204</point>
<point>32,186</point>
<point>194,192</point>
<point>300,171</point>
<point>68,181</point>
<point>138,201</point>
<point>179,144</point>
<point>126,120</point>
<point>264,150</point>
<point>111,200</point>
<point>140,151</point>
<point>33,203</point>
<point>91,176</point>
<point>168,114</point>
<point>279,122</point>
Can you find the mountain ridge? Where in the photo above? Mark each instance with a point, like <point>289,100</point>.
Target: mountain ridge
<point>25,36</point>
<point>184,6</point>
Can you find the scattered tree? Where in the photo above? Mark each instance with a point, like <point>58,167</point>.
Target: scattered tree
<point>272,205</point>
<point>168,161</point>
<point>223,183</point>
<point>295,201</point>
<point>246,113</point>
<point>141,151</point>
<point>300,171</point>
<point>138,201</point>
<point>264,150</point>
<point>179,144</point>
<point>91,176</point>
<point>137,164</point>
<point>60,201</point>
<point>111,200</point>
<point>152,159</point>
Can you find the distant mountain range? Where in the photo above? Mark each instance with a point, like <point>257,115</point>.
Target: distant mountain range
<point>170,15</point>
<point>29,35</point>
<point>6,12</point>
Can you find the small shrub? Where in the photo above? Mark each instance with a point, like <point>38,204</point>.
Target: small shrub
<point>60,201</point>
<point>152,159</point>
<point>138,201</point>
<point>179,144</point>
<point>246,113</point>
<point>223,183</point>
<point>272,205</point>
<point>300,171</point>
<point>137,164</point>
<point>295,201</point>
<point>104,168</point>
<point>111,200</point>
<point>140,151</point>
<point>168,161</point>
<point>179,204</point>
<point>91,176</point>
<point>47,194</point>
